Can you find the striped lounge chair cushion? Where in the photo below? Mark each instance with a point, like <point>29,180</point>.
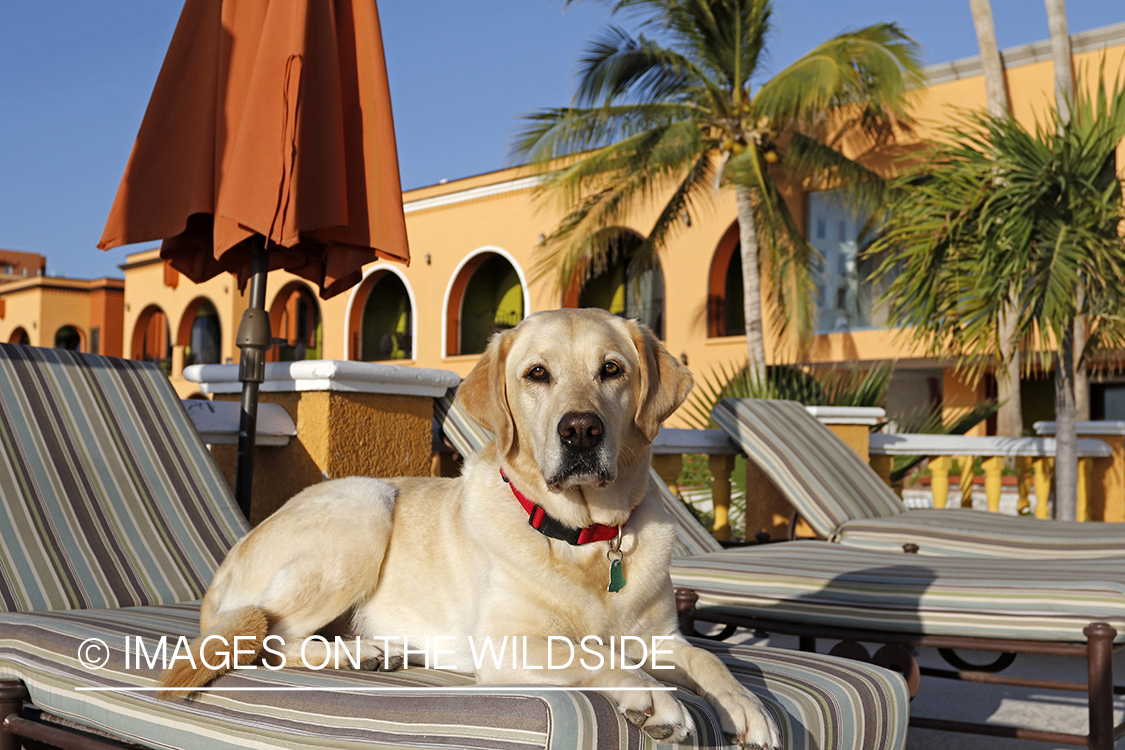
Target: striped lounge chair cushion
<point>109,497</point>
<point>814,469</point>
<point>832,585</point>
<point>821,703</point>
<point>468,437</point>
<point>974,533</point>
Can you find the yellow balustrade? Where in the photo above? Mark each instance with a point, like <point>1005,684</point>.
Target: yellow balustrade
<point>939,479</point>
<point>668,466</point>
<point>1037,472</point>
<point>1044,470</point>
<point>1023,484</point>
<point>1082,505</point>
<point>993,468</point>
<point>966,465</point>
<point>721,468</point>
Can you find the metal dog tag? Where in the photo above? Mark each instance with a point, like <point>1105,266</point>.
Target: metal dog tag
<point>616,573</point>
<point>616,576</point>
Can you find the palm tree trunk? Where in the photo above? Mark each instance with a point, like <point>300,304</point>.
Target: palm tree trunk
<point>751,284</point>
<point>1060,53</point>
<point>1064,93</point>
<point>1081,374</point>
<point>1009,420</point>
<point>991,63</point>
<point>1066,439</point>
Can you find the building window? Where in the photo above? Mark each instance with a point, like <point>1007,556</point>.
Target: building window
<point>19,336</point>
<point>387,324</point>
<point>95,340</point>
<point>845,296</point>
<point>726,310</point>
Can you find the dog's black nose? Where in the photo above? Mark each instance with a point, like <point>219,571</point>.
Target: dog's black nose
<point>581,430</point>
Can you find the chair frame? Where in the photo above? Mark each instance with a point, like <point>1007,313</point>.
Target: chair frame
<point>1098,652</point>
<point>18,722</point>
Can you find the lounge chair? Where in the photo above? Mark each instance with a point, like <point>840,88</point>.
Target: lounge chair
<point>114,518</point>
<point>816,589</point>
<point>845,501</point>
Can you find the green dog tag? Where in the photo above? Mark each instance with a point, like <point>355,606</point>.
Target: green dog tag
<point>616,577</point>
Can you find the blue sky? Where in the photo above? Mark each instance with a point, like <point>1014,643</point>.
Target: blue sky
<point>75,77</point>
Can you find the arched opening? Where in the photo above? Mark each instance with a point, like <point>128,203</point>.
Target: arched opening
<point>152,338</point>
<point>486,297</point>
<point>295,317</point>
<point>68,337</point>
<point>383,329</point>
<point>201,334</point>
<point>628,285</point>
<point>726,312</point>
<point>19,336</point>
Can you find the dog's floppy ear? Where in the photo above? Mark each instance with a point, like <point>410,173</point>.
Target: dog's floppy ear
<point>484,394</point>
<point>665,383</point>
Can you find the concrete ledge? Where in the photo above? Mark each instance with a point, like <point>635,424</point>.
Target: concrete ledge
<point>866,415</point>
<point>329,375</point>
<point>217,422</point>
<point>960,445</point>
<point>1092,427</point>
<point>711,442</point>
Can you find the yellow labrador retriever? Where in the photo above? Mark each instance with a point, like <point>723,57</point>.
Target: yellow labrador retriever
<point>545,562</point>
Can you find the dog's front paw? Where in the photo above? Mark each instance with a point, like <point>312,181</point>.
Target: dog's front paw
<point>657,713</point>
<point>382,663</point>
<point>746,720</point>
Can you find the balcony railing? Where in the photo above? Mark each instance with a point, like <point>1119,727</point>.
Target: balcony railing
<point>1101,488</point>
<point>1033,459</point>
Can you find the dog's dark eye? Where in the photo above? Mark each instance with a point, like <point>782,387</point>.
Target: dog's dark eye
<point>539,374</point>
<point>611,370</point>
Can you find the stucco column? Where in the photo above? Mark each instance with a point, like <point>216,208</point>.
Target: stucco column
<point>353,419</point>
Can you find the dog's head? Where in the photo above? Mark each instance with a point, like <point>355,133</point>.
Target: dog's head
<point>581,392</point>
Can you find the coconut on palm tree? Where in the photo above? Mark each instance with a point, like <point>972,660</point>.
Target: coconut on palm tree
<point>671,112</point>
<point>1001,217</point>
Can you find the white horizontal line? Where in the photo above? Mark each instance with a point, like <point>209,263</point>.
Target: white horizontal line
<point>367,689</point>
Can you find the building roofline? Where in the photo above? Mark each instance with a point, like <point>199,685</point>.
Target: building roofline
<point>1026,54</point>
<point>59,283</point>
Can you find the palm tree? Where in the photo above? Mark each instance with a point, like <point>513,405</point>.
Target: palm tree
<point>674,115</point>
<point>1009,420</point>
<point>1000,214</point>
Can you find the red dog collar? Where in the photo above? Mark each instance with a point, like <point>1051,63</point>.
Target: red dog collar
<point>548,526</point>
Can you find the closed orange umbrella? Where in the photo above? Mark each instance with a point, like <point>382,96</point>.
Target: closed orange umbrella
<point>268,143</point>
<point>269,118</point>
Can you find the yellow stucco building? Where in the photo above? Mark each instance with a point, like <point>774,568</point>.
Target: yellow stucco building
<point>473,271</point>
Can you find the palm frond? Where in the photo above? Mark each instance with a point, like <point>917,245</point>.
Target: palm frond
<point>873,67</point>
<point>835,386</point>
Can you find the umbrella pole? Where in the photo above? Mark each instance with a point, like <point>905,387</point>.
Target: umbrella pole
<point>254,337</point>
